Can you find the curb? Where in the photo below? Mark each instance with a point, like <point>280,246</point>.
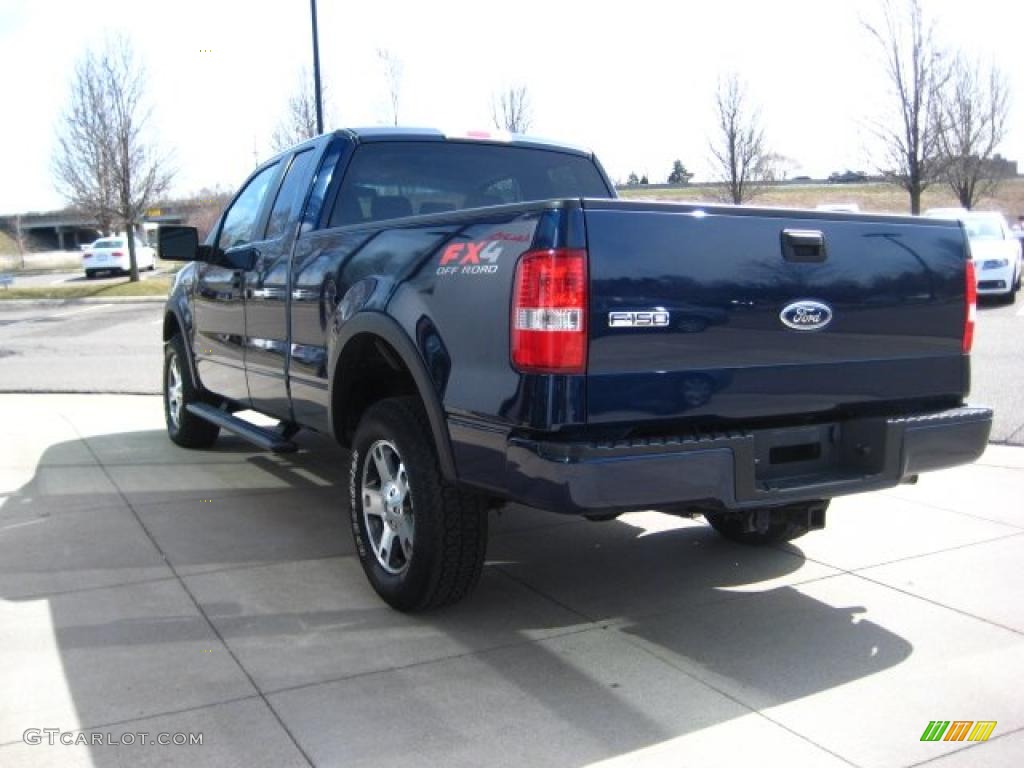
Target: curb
<point>85,300</point>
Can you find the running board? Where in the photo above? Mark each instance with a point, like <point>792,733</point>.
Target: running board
<point>267,439</point>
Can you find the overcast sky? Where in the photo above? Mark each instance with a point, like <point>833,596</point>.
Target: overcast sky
<point>633,80</point>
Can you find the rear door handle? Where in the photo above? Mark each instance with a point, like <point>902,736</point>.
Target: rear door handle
<point>803,246</point>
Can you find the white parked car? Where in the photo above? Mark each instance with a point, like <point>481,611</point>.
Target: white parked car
<point>995,250</point>
<point>110,254</point>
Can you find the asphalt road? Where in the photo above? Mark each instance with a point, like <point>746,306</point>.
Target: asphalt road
<point>81,347</point>
<point>76,277</point>
<point>116,348</point>
<point>997,368</point>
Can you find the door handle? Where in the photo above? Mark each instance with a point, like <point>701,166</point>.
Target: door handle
<point>268,293</point>
<point>803,246</point>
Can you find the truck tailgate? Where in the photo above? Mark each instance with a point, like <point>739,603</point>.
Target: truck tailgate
<point>740,314</point>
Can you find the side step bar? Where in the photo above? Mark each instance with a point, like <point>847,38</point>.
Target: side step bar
<point>267,439</point>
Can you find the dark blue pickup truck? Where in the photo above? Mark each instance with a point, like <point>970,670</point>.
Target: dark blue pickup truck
<point>480,320</point>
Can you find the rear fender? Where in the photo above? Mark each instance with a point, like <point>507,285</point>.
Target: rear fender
<point>381,325</point>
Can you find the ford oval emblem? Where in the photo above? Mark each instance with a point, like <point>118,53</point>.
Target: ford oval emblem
<point>806,315</point>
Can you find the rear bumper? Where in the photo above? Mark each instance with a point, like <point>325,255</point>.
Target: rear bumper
<point>742,469</point>
<point>110,265</point>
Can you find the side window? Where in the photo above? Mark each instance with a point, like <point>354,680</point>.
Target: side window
<point>240,220</point>
<point>289,197</point>
<point>324,176</point>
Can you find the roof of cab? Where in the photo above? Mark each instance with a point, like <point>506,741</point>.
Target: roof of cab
<point>402,133</point>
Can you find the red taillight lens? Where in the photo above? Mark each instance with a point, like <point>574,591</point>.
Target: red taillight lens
<point>971,292</point>
<point>87,256</point>
<point>549,312</point>
<point>117,254</point>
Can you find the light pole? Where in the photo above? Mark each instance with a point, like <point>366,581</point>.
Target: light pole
<point>316,72</point>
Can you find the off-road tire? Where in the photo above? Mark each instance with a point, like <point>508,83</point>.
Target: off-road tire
<point>449,541</point>
<point>188,431</point>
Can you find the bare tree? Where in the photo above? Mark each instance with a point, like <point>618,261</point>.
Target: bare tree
<point>20,239</point>
<point>392,78</point>
<point>776,167</point>
<point>299,122</point>
<point>205,207</point>
<point>510,110</point>
<point>972,118</point>
<point>104,163</point>
<point>83,160</point>
<point>916,68</point>
<point>741,162</point>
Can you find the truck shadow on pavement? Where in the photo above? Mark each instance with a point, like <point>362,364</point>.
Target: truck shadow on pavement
<point>148,588</point>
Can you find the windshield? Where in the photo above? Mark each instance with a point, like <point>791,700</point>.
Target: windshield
<point>983,229</point>
<point>108,244</point>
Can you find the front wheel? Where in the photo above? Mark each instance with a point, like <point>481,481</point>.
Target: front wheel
<point>769,525</point>
<point>421,540</point>
<point>184,428</point>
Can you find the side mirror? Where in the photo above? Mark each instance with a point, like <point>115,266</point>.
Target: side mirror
<point>242,259</point>
<point>179,244</point>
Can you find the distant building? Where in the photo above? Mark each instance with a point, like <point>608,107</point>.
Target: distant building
<point>1002,167</point>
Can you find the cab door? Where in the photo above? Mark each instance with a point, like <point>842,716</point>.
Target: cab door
<point>267,292</point>
<point>219,322</point>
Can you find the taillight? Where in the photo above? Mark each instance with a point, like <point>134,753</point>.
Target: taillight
<point>117,254</point>
<point>971,294</point>
<point>549,312</point>
<point>87,256</point>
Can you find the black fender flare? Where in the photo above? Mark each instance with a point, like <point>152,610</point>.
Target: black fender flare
<point>171,309</point>
<point>385,327</point>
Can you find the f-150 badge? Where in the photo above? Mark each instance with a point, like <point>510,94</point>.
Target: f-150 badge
<point>656,318</point>
<point>806,315</point>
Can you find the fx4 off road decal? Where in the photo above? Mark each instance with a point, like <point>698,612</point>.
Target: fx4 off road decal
<point>480,258</point>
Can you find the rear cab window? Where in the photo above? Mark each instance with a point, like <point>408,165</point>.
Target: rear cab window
<point>388,180</point>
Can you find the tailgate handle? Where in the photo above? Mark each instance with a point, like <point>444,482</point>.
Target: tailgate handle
<point>804,246</point>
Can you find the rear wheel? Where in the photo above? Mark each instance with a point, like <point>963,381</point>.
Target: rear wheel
<point>184,428</point>
<point>421,540</point>
<point>90,274</point>
<point>769,525</point>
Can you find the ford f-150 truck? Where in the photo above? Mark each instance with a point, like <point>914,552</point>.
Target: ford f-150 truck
<point>479,320</point>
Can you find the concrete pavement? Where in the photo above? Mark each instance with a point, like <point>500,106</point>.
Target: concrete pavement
<point>145,588</point>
